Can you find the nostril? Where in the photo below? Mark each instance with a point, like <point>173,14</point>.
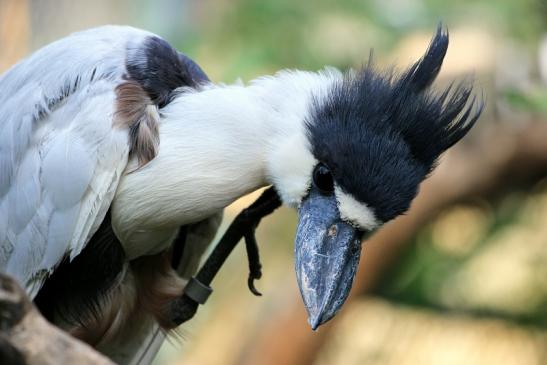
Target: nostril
<point>332,231</point>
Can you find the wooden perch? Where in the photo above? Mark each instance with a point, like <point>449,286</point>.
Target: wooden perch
<point>498,159</point>
<point>26,338</point>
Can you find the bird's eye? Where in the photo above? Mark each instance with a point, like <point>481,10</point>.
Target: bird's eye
<point>322,178</point>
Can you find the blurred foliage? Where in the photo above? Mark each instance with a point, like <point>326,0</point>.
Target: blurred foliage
<point>484,259</point>
<point>251,37</point>
<point>533,100</point>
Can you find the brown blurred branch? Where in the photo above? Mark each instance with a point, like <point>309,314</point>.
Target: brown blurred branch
<point>500,158</point>
<point>26,338</point>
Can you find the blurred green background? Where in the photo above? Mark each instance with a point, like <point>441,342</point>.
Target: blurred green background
<point>462,278</point>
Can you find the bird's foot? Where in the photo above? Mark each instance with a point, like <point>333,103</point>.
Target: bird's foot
<point>243,226</point>
<point>251,217</point>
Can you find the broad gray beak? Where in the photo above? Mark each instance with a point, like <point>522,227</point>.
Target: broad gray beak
<point>327,254</point>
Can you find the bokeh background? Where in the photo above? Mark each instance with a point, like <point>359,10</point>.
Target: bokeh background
<point>460,279</point>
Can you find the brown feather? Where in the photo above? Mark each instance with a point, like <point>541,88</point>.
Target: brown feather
<point>135,110</point>
<point>146,291</point>
<point>158,285</point>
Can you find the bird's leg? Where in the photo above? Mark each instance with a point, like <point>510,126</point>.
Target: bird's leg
<point>254,214</point>
<point>198,290</point>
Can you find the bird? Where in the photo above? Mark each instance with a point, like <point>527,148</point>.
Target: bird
<point>116,150</point>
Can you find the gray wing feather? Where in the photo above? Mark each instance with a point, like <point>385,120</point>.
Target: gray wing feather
<point>60,156</point>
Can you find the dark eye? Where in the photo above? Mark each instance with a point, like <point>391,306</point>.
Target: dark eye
<point>322,178</point>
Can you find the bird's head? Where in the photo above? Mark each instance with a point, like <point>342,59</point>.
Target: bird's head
<point>371,139</point>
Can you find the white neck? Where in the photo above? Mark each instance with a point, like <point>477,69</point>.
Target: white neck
<point>218,144</point>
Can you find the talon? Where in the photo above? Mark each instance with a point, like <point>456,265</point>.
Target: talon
<point>255,268</point>
<point>251,285</point>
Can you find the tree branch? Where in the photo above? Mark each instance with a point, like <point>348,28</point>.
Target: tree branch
<point>26,338</point>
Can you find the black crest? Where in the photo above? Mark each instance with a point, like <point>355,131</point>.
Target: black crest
<point>381,133</point>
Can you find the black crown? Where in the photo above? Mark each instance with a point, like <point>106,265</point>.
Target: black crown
<point>381,133</point>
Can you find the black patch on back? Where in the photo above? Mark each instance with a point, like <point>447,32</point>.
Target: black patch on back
<point>75,288</point>
<point>160,69</point>
<point>381,133</point>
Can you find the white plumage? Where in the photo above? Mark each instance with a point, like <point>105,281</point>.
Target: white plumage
<point>217,145</point>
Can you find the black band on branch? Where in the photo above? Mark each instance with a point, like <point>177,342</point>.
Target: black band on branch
<point>197,291</point>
